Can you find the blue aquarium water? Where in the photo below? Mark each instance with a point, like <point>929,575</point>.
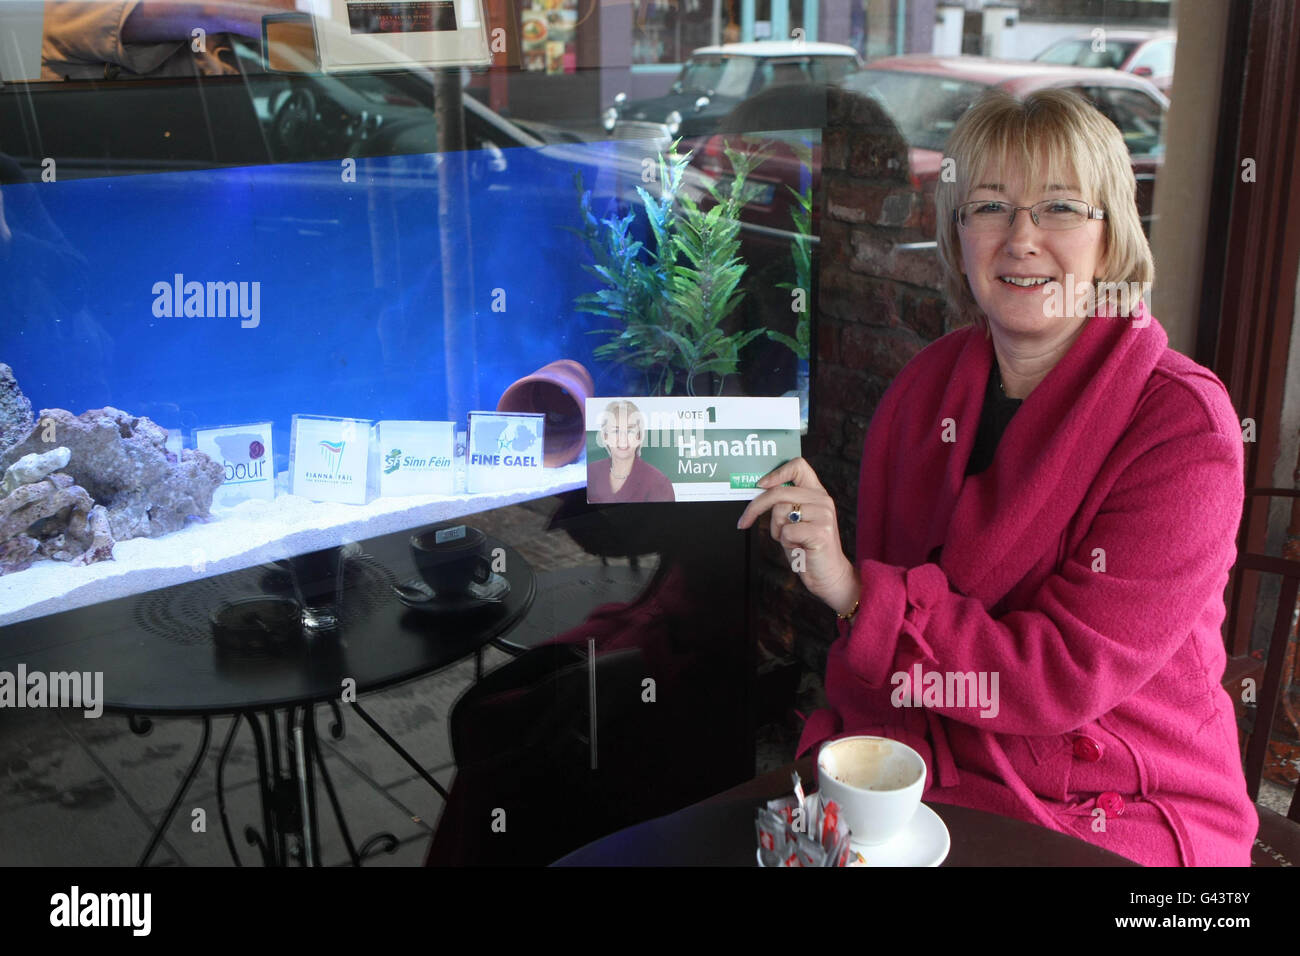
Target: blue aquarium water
<point>333,291</point>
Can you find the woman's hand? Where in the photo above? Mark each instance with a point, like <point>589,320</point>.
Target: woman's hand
<point>812,544</point>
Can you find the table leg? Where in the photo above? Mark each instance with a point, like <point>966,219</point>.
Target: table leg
<point>289,801</point>
<point>399,750</point>
<point>306,790</point>
<point>142,726</point>
<point>282,807</point>
<point>221,789</point>
<point>264,841</point>
<point>336,730</point>
<point>385,841</point>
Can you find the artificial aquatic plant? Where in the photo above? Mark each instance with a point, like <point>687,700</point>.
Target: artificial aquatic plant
<point>671,300</point>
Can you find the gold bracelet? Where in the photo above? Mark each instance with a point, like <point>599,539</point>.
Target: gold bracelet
<point>853,611</point>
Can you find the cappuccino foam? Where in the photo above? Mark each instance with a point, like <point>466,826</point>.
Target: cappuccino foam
<point>865,764</point>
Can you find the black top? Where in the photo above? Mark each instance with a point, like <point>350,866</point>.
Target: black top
<point>994,419</point>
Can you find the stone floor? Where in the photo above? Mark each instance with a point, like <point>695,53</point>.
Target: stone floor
<point>90,792</point>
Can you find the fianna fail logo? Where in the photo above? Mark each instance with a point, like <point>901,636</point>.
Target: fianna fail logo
<point>332,456</point>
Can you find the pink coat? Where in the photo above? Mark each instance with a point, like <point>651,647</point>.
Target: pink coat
<point>1085,567</point>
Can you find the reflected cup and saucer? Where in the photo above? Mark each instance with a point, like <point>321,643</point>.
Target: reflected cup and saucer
<point>455,571</point>
<point>416,594</point>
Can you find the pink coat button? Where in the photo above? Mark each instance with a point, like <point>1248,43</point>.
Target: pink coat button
<point>1087,749</point>
<point>1111,802</point>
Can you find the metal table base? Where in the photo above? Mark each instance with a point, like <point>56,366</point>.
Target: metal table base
<point>287,767</point>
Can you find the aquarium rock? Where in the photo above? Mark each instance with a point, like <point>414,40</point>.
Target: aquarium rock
<point>51,517</point>
<point>17,553</point>
<point>15,410</point>
<point>122,462</point>
<point>100,532</point>
<point>32,468</point>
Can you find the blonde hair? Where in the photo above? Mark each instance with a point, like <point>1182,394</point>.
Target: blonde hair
<point>1050,133</point>
<point>620,411</point>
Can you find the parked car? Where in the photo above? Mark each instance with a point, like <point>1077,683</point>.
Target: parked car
<point>718,78</point>
<point>1145,53</point>
<point>924,95</point>
<point>785,124</point>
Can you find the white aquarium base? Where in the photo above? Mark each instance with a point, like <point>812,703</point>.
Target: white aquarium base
<point>246,535</point>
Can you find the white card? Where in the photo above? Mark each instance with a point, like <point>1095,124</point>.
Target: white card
<point>329,458</point>
<point>505,451</point>
<point>244,451</point>
<point>686,449</point>
<point>416,458</point>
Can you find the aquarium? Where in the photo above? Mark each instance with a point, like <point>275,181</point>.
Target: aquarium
<point>203,299</point>
<point>191,268</point>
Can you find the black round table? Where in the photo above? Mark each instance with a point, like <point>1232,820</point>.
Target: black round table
<point>158,657</point>
<point>720,832</point>
<point>566,597</point>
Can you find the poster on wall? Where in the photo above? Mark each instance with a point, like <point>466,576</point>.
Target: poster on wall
<point>244,451</point>
<point>686,449</point>
<point>384,34</point>
<point>548,30</point>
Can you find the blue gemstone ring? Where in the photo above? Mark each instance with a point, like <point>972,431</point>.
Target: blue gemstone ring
<point>796,515</point>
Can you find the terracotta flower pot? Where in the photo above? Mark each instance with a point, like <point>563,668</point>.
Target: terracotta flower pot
<point>560,392</point>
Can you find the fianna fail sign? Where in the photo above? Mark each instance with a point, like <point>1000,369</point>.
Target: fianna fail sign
<point>686,449</point>
<point>329,458</point>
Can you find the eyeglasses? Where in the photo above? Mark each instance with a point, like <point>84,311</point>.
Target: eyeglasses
<point>613,433</point>
<point>993,215</point>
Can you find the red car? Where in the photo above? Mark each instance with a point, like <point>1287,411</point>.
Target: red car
<point>1145,53</point>
<point>925,95</point>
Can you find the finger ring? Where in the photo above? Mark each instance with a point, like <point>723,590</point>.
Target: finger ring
<point>796,514</point>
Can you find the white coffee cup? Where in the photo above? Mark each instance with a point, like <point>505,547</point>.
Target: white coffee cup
<point>876,782</point>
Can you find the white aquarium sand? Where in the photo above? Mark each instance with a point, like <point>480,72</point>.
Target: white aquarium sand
<point>248,534</point>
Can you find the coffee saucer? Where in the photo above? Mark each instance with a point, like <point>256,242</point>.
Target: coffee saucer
<point>417,595</point>
<point>923,842</point>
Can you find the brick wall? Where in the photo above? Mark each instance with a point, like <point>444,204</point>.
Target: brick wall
<point>874,308</point>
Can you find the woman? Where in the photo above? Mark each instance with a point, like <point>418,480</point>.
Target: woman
<point>624,477</point>
<point>1047,506</point>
